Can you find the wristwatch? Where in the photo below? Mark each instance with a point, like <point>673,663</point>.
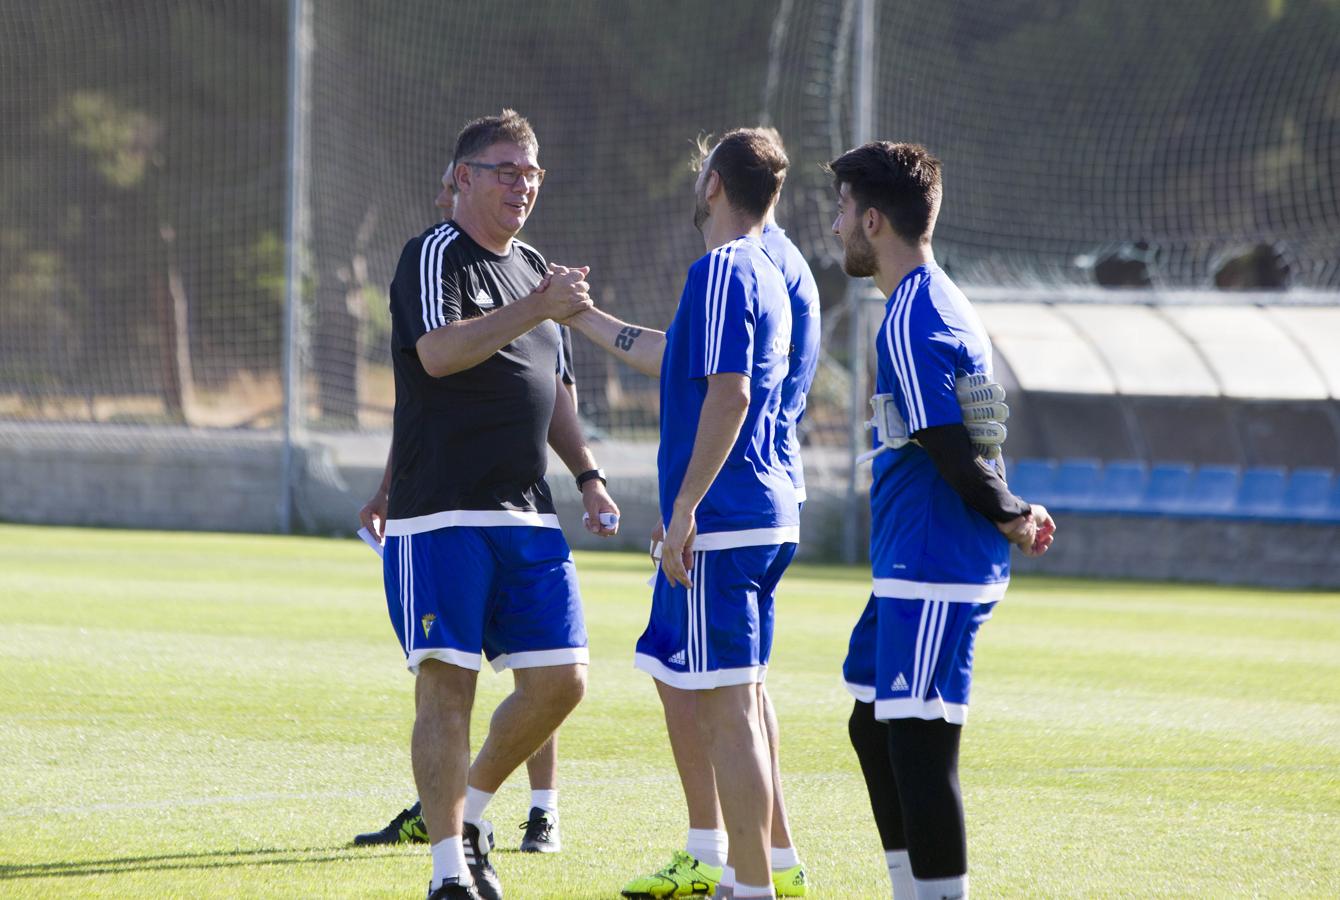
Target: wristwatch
<point>590,474</point>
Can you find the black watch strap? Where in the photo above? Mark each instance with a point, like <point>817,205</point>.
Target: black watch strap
<point>590,474</point>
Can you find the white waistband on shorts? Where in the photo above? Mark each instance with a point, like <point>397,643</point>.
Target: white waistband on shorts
<point>900,589</point>
<point>750,537</point>
<point>479,518</point>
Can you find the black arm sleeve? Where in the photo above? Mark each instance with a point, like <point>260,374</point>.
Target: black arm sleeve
<point>950,448</point>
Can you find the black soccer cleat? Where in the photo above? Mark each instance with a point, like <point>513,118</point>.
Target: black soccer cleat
<point>478,842</point>
<point>452,889</point>
<point>541,832</point>
<point>406,828</point>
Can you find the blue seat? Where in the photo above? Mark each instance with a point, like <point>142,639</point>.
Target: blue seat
<point>1261,493</point>
<point>1307,494</point>
<point>1166,490</point>
<point>1332,513</point>
<point>1032,479</point>
<point>1213,490</point>
<point>1122,485</point>
<point>1075,485</point>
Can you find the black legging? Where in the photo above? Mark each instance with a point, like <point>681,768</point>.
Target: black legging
<point>911,772</point>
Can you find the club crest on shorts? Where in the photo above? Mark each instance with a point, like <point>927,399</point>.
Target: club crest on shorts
<point>427,622</point>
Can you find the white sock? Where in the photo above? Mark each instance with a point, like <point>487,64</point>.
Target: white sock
<point>785,857</point>
<point>900,874</point>
<point>546,800</point>
<point>943,888</point>
<point>449,861</point>
<point>727,877</point>
<point>745,891</point>
<point>475,803</point>
<point>708,844</point>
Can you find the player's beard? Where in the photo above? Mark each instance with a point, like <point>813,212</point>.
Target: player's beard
<point>700,211</point>
<point>858,255</point>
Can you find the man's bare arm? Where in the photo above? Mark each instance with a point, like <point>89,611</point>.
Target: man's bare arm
<point>642,348</point>
<point>723,412</point>
<point>373,514</point>
<point>466,343</point>
<point>565,436</point>
<point>565,433</point>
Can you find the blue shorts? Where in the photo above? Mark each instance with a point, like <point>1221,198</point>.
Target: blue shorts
<point>913,658</point>
<point>510,591</point>
<point>719,633</point>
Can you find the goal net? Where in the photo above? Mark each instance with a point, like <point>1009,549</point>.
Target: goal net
<point>144,169</point>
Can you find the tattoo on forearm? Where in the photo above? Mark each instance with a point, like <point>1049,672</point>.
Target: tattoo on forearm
<point>626,336</point>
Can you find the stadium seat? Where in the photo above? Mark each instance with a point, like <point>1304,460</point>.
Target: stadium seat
<point>1332,513</point>
<point>1166,490</point>
<point>1261,493</point>
<point>1032,479</point>
<point>1121,487</point>
<point>1213,490</point>
<point>1075,485</point>
<point>1307,494</point>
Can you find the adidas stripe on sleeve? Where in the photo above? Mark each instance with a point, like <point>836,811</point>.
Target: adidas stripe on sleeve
<point>924,354</point>
<point>721,319</point>
<point>427,300</point>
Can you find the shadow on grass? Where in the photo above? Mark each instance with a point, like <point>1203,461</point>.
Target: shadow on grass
<point>217,859</point>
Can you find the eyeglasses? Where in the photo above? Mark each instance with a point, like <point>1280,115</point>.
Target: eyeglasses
<point>507,173</point>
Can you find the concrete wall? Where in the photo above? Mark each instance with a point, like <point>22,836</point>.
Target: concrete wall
<point>180,479</point>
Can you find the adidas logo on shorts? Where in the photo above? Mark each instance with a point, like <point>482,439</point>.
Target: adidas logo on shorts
<point>899,683</point>
<point>678,658</point>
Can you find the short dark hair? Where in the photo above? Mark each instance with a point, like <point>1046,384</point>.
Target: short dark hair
<point>752,164</point>
<point>902,181</point>
<point>480,134</point>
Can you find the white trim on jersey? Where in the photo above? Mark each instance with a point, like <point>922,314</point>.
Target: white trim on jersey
<point>699,681</point>
<point>430,275</point>
<point>901,589</point>
<point>749,537</point>
<point>898,337</point>
<point>800,497</point>
<point>536,659</point>
<point>444,654</point>
<point>718,286</point>
<point>524,246</point>
<point>477,518</point>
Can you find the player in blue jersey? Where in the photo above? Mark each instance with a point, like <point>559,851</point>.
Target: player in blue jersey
<point>942,519</point>
<point>704,859</point>
<point>475,564</point>
<point>541,829</point>
<point>729,504</point>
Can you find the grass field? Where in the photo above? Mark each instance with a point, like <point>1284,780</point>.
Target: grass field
<point>187,715</point>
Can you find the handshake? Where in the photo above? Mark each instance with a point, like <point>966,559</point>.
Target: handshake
<point>563,292</point>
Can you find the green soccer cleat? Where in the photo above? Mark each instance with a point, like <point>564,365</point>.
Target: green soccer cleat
<point>406,828</point>
<point>683,876</point>
<point>789,882</point>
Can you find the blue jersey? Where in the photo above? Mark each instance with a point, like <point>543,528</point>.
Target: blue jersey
<point>734,316</point>
<point>804,356</point>
<point>925,542</point>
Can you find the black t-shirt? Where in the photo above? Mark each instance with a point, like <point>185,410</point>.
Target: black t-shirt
<point>475,440</point>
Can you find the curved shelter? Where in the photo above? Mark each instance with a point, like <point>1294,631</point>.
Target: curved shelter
<point>1171,377</point>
